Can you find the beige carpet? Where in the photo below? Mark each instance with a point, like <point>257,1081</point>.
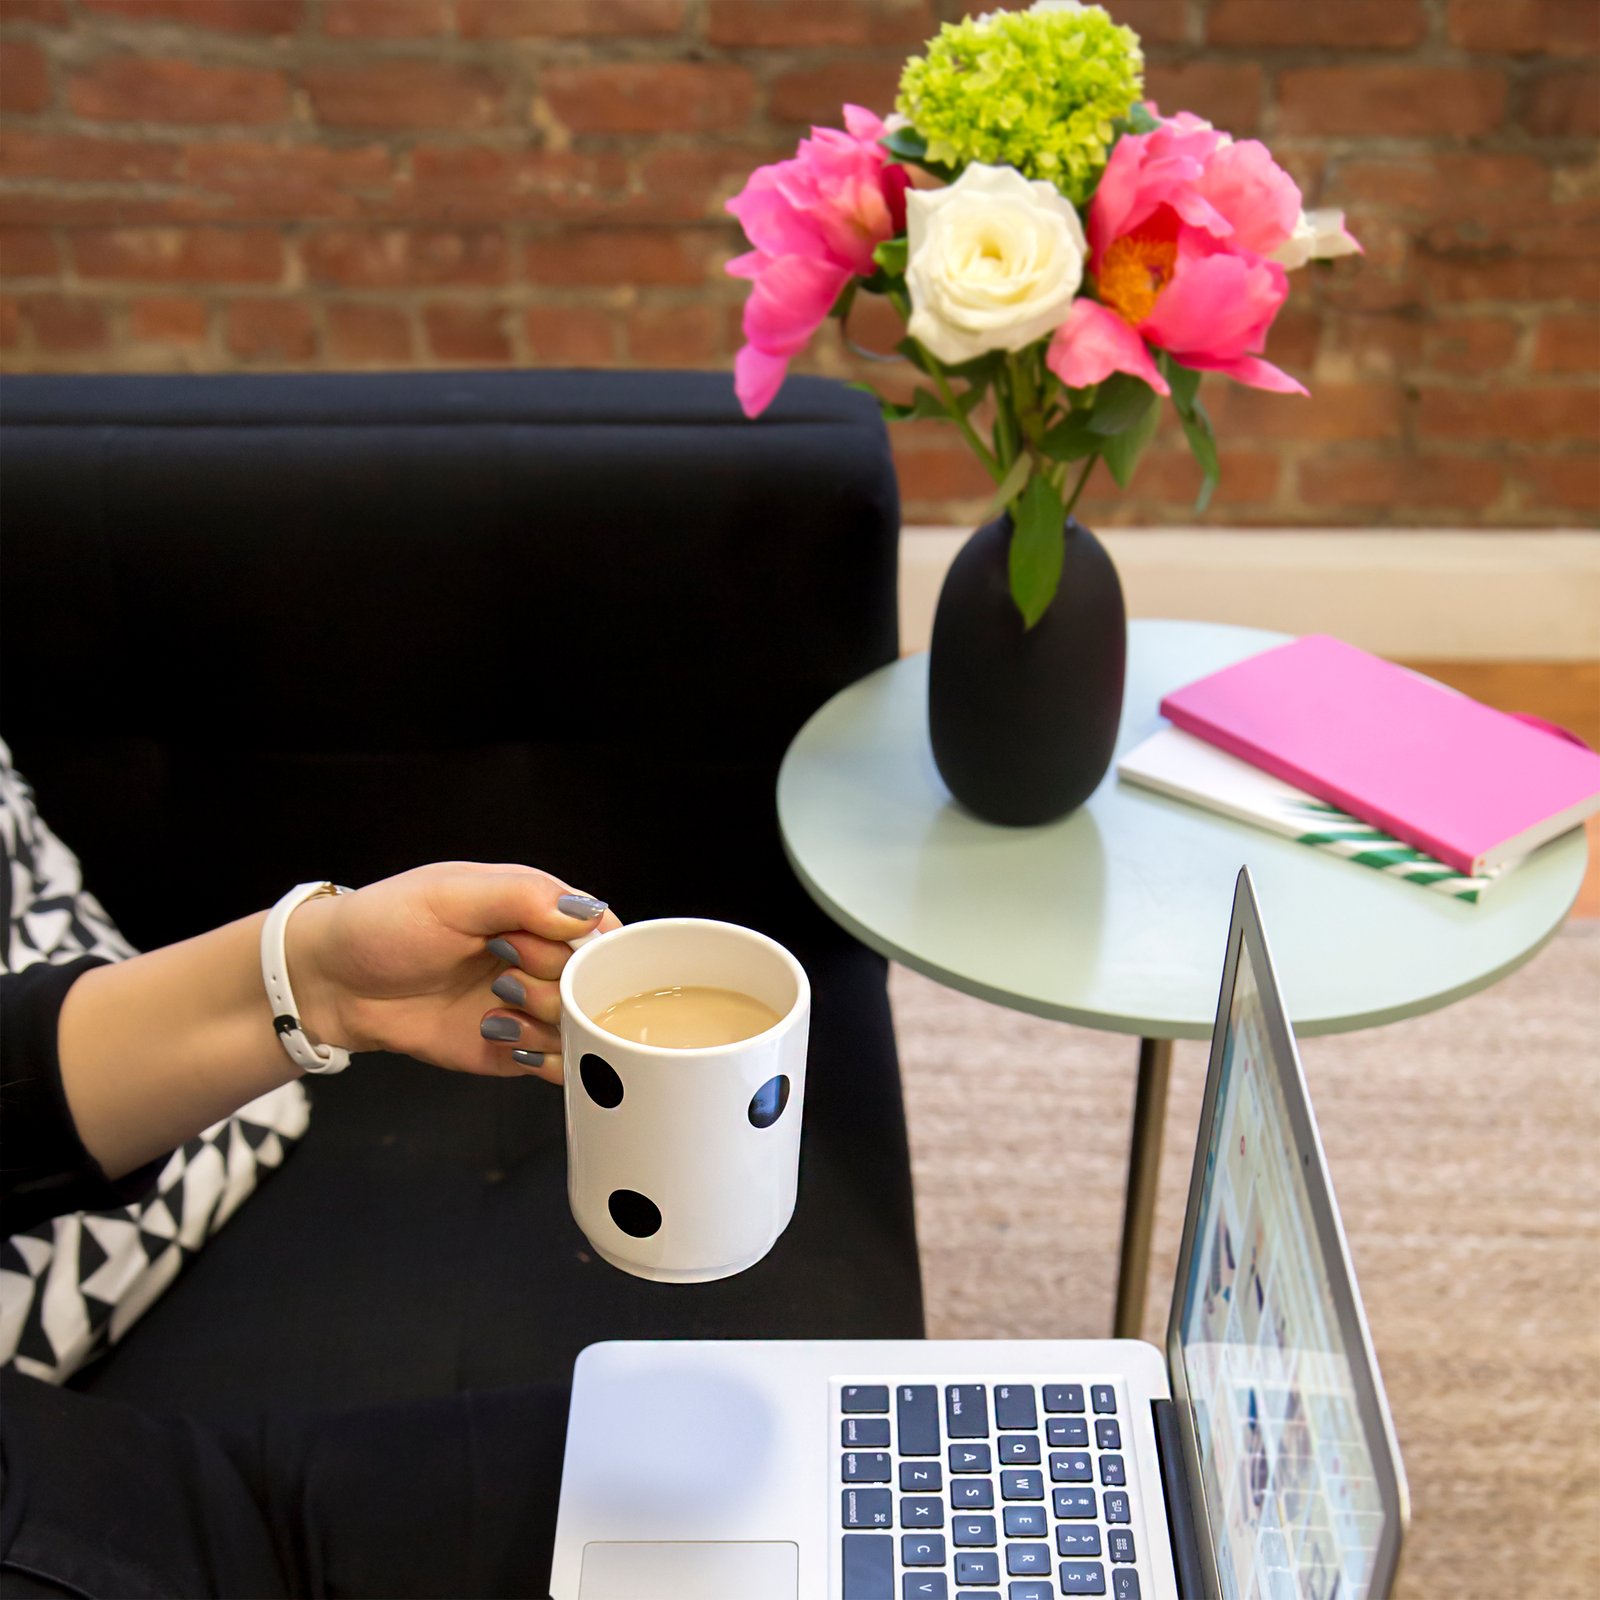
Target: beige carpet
<point>1464,1148</point>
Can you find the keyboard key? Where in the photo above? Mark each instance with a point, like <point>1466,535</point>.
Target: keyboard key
<point>864,1433</point>
<point>978,1594</point>
<point>921,1549</point>
<point>917,1413</point>
<point>973,1567</point>
<point>1120,1542</point>
<point>1104,1397</point>
<point>1067,1433</point>
<point>1014,1407</point>
<point>1025,1522</point>
<point>1074,1504</point>
<point>1029,1591</point>
<point>868,1508</point>
<point>921,1477</point>
<point>864,1397</point>
<point>1063,1397</point>
<point>1083,1577</point>
<point>1112,1470</point>
<point>971,1494</point>
<point>922,1511</point>
<point>972,1531</point>
<point>865,1466</point>
<point>925,1586</point>
<point>1027,1560</point>
<point>1124,1584</point>
<point>1107,1435</point>
<point>966,1410</point>
<point>970,1458</point>
<point>1116,1506</point>
<point>1019,1449</point>
<point>1071,1466</point>
<point>1023,1484</point>
<point>868,1566</point>
<point>1078,1541</point>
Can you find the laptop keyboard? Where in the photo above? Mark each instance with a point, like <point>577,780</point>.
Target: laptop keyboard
<point>977,1491</point>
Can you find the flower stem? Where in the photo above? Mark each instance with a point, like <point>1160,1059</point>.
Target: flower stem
<point>958,417</point>
<point>1083,478</point>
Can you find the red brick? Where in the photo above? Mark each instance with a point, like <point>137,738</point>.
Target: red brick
<point>44,13</point>
<point>815,95</point>
<point>179,255</point>
<point>402,257</point>
<point>68,158</point>
<point>225,16</point>
<point>385,19</point>
<point>271,330</point>
<point>1225,93</point>
<point>24,77</point>
<point>1296,333</point>
<point>65,324</point>
<point>28,253</point>
<point>570,336</point>
<point>138,89</point>
<point>475,183</point>
<point>1461,483</point>
<point>1524,416</point>
<point>1564,105</point>
<point>673,336</point>
<point>1471,345</point>
<point>618,256</point>
<point>76,208</point>
<point>1398,101</point>
<point>1333,412</point>
<point>258,182</point>
<point>1526,27</point>
<point>1562,483</point>
<point>1249,477</point>
<point>690,183</point>
<point>1346,25</point>
<point>805,24</point>
<point>933,464</point>
<point>1155,21</point>
<point>567,19</point>
<point>168,319</point>
<point>467,333</point>
<point>361,333</point>
<point>1435,182</point>
<point>1499,275</point>
<point>1568,343</point>
<point>642,97</point>
<point>10,322</point>
<point>405,94</point>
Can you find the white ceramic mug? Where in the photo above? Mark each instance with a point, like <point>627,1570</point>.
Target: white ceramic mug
<point>682,1165</point>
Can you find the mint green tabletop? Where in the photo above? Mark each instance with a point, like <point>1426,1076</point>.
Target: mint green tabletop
<point>1115,916</point>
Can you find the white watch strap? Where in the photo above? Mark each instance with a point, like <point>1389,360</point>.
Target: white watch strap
<point>275,974</point>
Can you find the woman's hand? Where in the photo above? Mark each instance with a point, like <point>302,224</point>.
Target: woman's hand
<point>456,964</point>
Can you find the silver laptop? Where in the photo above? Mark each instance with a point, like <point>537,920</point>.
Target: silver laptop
<point>1255,1457</point>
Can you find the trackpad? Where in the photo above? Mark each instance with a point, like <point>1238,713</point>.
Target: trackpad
<point>687,1571</point>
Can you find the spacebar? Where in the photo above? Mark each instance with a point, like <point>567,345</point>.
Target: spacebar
<point>868,1566</point>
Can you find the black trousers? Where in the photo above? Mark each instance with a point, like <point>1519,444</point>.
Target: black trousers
<point>452,1497</point>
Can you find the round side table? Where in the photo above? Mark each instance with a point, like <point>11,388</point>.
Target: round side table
<point>1115,916</point>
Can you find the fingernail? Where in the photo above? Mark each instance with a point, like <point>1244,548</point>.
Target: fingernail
<point>582,906</point>
<point>500,1028</point>
<point>504,950</point>
<point>528,1058</point>
<point>506,988</point>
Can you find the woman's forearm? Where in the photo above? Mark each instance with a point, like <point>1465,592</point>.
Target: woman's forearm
<point>158,1047</point>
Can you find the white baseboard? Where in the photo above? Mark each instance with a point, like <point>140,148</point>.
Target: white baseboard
<point>1432,594</point>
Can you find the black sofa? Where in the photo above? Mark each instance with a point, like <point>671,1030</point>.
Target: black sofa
<point>262,629</point>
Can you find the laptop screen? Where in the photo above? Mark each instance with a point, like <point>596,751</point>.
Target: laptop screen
<point>1288,1462</point>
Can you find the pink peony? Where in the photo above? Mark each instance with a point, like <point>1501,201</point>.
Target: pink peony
<point>814,222</point>
<point>1180,230</point>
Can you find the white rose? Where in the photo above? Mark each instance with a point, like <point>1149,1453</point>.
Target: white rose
<point>1317,236</point>
<point>993,262</point>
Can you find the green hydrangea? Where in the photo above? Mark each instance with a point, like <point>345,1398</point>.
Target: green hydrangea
<point>1037,90</point>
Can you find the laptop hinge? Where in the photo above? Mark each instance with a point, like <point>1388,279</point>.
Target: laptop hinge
<point>1180,1513</point>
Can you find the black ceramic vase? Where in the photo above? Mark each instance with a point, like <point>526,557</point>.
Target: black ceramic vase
<point>1023,723</point>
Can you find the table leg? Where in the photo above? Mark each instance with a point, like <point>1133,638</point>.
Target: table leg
<point>1144,1161</point>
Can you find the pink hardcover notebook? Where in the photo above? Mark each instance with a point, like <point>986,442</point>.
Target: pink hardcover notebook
<point>1473,786</point>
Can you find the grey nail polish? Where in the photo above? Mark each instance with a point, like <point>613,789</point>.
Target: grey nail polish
<point>582,906</point>
<point>528,1058</point>
<point>504,950</point>
<point>500,1028</point>
<point>506,988</point>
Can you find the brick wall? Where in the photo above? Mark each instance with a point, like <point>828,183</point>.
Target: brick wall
<point>210,185</point>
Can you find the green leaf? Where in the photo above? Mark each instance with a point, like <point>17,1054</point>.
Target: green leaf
<point>1136,120</point>
<point>1185,383</point>
<point>917,356</point>
<point>847,295</point>
<point>1071,439</point>
<point>1122,450</point>
<point>1010,486</point>
<point>1122,402</point>
<point>1203,444</point>
<point>981,369</point>
<point>1038,547</point>
<point>906,144</point>
<point>891,256</point>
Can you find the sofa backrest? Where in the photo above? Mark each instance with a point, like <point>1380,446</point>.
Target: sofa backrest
<point>263,628</point>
